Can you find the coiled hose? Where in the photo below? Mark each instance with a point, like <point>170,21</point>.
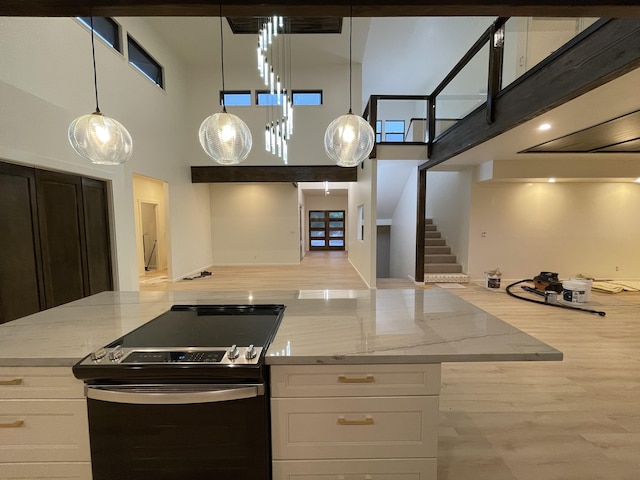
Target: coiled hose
<point>559,305</point>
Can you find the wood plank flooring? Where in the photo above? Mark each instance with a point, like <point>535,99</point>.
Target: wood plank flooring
<point>578,419</point>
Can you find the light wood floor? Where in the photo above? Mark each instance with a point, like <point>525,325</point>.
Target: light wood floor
<point>578,419</point>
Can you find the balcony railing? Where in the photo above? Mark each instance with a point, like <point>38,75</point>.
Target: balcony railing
<point>509,49</point>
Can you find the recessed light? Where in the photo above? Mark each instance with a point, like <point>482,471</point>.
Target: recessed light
<point>545,126</point>
<point>552,180</point>
<point>637,180</point>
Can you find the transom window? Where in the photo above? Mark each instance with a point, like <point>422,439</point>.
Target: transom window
<point>307,97</point>
<point>236,98</point>
<point>105,28</point>
<point>140,59</point>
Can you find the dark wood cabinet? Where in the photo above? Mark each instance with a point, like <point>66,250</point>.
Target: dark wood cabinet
<point>57,248</point>
<point>21,279</point>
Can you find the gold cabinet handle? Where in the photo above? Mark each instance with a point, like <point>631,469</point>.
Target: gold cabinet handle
<point>367,379</point>
<point>16,424</point>
<point>344,421</point>
<point>15,381</point>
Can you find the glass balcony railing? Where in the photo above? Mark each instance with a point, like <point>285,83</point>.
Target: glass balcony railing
<point>505,52</point>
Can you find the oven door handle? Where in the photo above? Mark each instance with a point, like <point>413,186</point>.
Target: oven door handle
<point>171,395</point>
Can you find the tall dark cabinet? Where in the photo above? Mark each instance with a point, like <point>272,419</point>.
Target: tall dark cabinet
<point>56,248</point>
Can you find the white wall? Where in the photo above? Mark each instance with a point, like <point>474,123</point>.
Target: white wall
<point>448,204</point>
<point>254,223</point>
<point>46,81</point>
<point>403,231</point>
<point>362,253</point>
<point>568,228</point>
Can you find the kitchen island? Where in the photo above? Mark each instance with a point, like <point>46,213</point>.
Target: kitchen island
<point>355,375</point>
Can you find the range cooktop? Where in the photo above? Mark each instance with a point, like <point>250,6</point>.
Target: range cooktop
<point>192,338</point>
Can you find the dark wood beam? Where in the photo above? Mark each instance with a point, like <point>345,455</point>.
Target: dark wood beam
<point>606,53</point>
<point>274,173</point>
<point>322,8</point>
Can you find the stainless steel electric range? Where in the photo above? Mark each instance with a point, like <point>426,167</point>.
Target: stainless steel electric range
<point>183,396</point>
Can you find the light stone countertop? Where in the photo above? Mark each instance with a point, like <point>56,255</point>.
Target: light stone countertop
<point>319,327</point>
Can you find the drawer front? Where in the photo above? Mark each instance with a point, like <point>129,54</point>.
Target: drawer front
<point>43,431</point>
<point>356,427</point>
<point>39,382</point>
<point>46,471</point>
<point>354,380</point>
<point>392,469</point>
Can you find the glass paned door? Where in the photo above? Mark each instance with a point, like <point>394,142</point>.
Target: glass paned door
<point>326,230</point>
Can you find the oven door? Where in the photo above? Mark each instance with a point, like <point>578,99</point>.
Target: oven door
<point>179,432</point>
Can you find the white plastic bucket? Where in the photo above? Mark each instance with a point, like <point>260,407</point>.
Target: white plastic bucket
<point>589,284</point>
<point>574,291</point>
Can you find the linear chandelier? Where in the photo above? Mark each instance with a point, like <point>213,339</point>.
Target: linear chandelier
<point>274,67</point>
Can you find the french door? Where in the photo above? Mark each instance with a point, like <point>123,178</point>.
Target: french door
<point>326,230</point>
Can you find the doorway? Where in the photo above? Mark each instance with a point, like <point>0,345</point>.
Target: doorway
<point>149,222</point>
<point>151,207</point>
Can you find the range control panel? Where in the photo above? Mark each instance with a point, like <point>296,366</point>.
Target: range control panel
<point>233,355</point>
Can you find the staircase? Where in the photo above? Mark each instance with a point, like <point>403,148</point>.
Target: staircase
<point>440,265</point>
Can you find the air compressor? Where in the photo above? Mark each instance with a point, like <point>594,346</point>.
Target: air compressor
<point>548,286</point>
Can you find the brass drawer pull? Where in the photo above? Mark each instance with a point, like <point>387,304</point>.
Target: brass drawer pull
<point>16,424</point>
<point>367,379</point>
<point>15,381</point>
<point>344,421</point>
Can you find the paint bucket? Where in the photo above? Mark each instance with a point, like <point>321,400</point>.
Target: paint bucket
<point>587,292</point>
<point>492,281</point>
<point>574,291</point>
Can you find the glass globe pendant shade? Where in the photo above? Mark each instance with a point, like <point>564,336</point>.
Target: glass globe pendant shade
<point>348,140</point>
<point>225,138</point>
<point>100,139</point>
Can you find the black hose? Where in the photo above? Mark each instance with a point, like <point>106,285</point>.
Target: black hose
<point>559,305</point>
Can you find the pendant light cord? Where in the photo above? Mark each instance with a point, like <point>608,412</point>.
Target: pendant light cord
<point>93,55</point>
<point>224,107</point>
<point>350,54</point>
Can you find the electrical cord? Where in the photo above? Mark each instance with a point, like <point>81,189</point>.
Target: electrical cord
<point>559,305</point>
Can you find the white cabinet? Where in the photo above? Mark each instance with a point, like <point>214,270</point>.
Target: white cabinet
<point>355,422</point>
<point>44,431</point>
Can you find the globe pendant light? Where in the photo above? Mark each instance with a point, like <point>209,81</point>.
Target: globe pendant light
<point>96,137</point>
<point>223,136</point>
<point>349,139</point>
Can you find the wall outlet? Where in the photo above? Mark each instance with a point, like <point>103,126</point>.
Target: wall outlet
<point>483,234</point>
<point>617,268</point>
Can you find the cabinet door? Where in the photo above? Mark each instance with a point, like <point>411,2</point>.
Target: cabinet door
<point>61,219</point>
<point>21,280</point>
<point>96,221</point>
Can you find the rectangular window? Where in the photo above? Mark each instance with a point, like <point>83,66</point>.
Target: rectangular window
<point>266,98</point>
<point>236,98</point>
<point>105,28</point>
<point>378,131</point>
<point>307,97</point>
<point>394,131</point>
<point>140,59</point>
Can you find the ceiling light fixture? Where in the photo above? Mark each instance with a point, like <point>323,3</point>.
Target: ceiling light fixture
<point>545,126</point>
<point>349,139</point>
<point>223,136</point>
<point>96,137</point>
<point>552,180</point>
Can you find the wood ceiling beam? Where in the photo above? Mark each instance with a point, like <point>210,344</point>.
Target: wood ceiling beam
<point>273,173</point>
<point>322,8</point>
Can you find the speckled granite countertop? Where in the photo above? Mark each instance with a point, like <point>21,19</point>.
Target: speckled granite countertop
<point>319,327</point>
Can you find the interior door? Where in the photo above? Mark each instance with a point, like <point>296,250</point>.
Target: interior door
<point>21,281</point>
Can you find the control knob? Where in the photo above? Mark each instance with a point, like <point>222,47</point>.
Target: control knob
<point>233,352</point>
<point>98,354</point>
<point>251,353</point>
<point>116,353</point>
